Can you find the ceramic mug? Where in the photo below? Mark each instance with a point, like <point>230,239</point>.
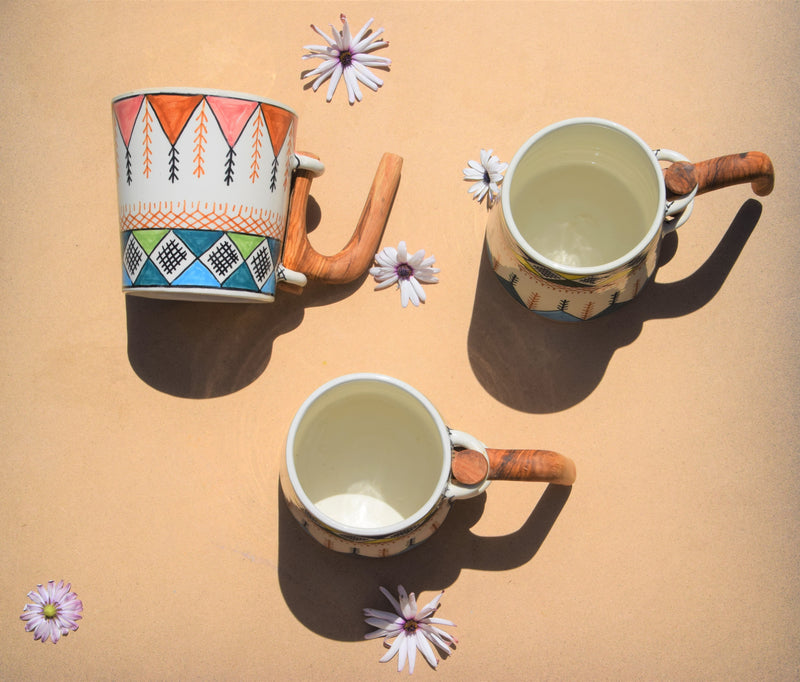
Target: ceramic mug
<point>583,208</point>
<point>370,467</point>
<point>204,181</point>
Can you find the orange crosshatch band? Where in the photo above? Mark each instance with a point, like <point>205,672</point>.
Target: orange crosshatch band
<point>187,215</point>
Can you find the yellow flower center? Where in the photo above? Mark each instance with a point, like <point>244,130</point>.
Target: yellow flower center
<point>410,626</point>
<point>49,611</point>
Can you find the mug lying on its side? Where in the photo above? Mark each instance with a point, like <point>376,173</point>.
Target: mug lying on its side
<point>204,181</point>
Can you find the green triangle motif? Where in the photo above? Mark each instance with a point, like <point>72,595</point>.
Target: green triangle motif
<point>246,243</point>
<point>148,239</point>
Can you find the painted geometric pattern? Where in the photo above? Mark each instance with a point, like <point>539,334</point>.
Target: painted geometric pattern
<point>497,228</point>
<point>199,258</point>
<point>190,215</point>
<point>551,295</point>
<point>172,113</point>
<point>381,546</point>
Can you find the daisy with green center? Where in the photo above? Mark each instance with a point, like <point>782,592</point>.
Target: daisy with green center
<point>486,176</point>
<point>395,266</point>
<point>411,628</point>
<point>54,612</point>
<point>349,57</point>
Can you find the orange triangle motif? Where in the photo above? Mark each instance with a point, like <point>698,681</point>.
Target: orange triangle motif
<point>232,115</point>
<point>278,123</point>
<point>126,110</point>
<point>173,111</point>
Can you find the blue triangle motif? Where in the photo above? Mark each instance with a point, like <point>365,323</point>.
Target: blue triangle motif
<point>198,241</point>
<point>241,279</point>
<point>269,285</point>
<point>126,281</point>
<point>274,248</point>
<point>559,315</point>
<point>150,277</point>
<point>196,275</point>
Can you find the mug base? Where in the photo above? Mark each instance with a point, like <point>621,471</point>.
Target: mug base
<point>556,315</point>
<point>199,294</point>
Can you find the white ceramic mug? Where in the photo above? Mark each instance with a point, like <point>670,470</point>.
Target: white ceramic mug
<point>204,181</point>
<point>582,212</point>
<point>368,466</point>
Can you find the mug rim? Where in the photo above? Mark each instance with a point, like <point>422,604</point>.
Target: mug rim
<point>591,270</point>
<point>398,527</point>
<point>213,92</point>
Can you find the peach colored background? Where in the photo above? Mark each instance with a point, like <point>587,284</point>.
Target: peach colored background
<point>142,440</point>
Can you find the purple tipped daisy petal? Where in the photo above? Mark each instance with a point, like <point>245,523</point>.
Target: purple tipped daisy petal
<point>409,273</point>
<point>424,646</point>
<point>486,177</point>
<point>431,606</point>
<point>54,612</point>
<point>347,57</point>
<point>411,630</point>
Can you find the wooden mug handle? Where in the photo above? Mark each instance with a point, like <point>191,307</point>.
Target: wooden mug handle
<point>469,466</point>
<point>723,171</point>
<point>352,261</point>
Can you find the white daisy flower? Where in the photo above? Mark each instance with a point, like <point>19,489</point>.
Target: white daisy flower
<point>54,611</point>
<point>413,628</point>
<point>348,56</point>
<point>394,266</point>
<point>486,175</point>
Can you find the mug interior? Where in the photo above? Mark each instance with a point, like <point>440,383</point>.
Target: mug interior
<point>370,456</point>
<point>584,196</point>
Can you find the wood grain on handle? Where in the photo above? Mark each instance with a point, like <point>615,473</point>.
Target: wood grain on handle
<point>469,466</point>
<point>357,256</point>
<point>723,171</point>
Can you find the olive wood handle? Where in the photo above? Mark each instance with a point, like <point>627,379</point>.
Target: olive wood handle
<point>469,466</point>
<point>723,171</point>
<point>357,256</point>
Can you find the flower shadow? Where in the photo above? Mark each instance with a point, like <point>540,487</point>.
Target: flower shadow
<point>207,350</point>
<point>540,366</point>
<point>326,590</point>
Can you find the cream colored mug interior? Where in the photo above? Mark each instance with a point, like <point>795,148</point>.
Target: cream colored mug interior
<point>584,195</point>
<point>369,457</point>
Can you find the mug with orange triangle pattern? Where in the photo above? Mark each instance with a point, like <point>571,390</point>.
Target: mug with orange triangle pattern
<point>204,180</point>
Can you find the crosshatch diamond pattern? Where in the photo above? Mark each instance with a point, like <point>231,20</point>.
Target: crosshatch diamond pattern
<point>261,264</point>
<point>199,258</point>
<point>171,256</point>
<point>133,258</point>
<point>222,258</point>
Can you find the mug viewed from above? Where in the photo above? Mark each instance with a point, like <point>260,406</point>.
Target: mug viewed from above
<point>369,466</point>
<point>582,211</point>
<point>369,454</point>
<point>583,198</point>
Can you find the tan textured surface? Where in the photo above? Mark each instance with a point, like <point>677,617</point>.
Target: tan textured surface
<point>674,556</point>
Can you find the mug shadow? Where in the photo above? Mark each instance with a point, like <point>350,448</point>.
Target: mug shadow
<point>540,366</point>
<point>210,349</point>
<point>326,590</point>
